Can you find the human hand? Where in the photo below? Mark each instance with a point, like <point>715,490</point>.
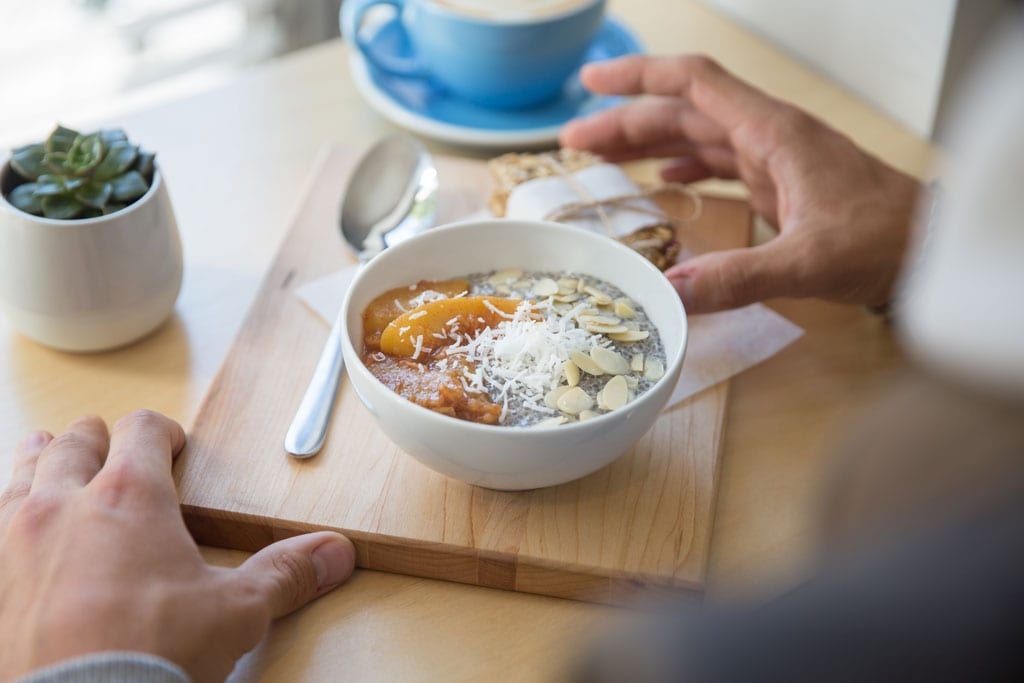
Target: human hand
<point>94,557</point>
<point>843,216</point>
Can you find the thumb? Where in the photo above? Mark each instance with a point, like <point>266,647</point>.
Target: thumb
<point>729,279</point>
<point>297,570</point>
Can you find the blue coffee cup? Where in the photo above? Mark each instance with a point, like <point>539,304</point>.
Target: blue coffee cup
<point>503,63</point>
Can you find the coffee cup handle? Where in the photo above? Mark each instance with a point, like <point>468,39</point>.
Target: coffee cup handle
<point>408,67</point>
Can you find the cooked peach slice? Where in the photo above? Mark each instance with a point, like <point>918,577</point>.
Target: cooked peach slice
<point>395,302</point>
<point>418,327</point>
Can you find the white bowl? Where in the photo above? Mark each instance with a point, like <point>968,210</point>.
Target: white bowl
<point>513,458</point>
<point>94,283</point>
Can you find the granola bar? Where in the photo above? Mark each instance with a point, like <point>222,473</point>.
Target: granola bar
<point>510,170</point>
<point>656,243</point>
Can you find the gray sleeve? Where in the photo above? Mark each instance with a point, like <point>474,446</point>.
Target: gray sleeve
<point>111,667</point>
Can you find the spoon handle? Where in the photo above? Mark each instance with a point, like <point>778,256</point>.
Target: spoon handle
<point>308,430</point>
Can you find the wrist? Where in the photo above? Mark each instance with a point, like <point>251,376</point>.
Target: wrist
<point>920,229</point>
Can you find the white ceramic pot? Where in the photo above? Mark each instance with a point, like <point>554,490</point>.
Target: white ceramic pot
<point>513,458</point>
<point>90,284</point>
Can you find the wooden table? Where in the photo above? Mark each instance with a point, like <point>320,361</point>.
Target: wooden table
<point>235,160</point>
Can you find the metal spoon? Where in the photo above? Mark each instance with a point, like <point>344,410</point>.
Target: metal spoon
<point>392,195</point>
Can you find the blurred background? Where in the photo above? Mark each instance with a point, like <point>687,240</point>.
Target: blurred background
<point>57,56</point>
<point>73,55</point>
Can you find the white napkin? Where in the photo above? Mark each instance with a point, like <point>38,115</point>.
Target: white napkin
<point>720,344</point>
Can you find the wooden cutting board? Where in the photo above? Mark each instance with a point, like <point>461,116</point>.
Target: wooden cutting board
<point>641,524</point>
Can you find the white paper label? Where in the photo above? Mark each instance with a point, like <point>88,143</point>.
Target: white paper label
<point>537,199</point>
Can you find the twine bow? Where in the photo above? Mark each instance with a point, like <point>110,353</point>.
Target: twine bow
<point>588,203</point>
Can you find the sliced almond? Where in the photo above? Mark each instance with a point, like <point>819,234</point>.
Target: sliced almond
<point>598,319</point>
<point>566,298</point>
<point>585,363</point>
<point>551,398</point>
<point>610,361</point>
<point>552,421</point>
<point>654,369</point>
<point>589,415</point>
<point>502,289</point>
<point>616,392</point>
<point>581,285</point>
<point>506,276</point>
<point>545,287</point>
<point>605,329</point>
<point>600,400</point>
<point>600,298</point>
<point>624,308</point>
<point>575,401</point>
<point>636,363</point>
<point>587,311</point>
<point>572,373</point>
<point>567,285</point>
<point>628,335</point>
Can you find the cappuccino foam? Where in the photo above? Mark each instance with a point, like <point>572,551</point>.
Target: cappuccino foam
<point>511,10</point>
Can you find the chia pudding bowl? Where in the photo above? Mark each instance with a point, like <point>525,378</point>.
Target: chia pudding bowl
<point>513,354</point>
<point>513,347</point>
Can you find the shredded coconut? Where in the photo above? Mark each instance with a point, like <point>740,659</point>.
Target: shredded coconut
<point>521,356</point>
<point>497,311</point>
<point>426,296</point>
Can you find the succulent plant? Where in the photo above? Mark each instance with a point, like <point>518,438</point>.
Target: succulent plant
<point>72,175</point>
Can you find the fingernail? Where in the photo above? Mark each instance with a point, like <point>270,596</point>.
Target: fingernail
<point>333,560</point>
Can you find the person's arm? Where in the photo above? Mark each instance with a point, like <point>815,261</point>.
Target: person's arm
<point>843,216</point>
<point>95,559</point>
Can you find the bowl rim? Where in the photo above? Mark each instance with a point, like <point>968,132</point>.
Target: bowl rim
<point>576,426</point>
